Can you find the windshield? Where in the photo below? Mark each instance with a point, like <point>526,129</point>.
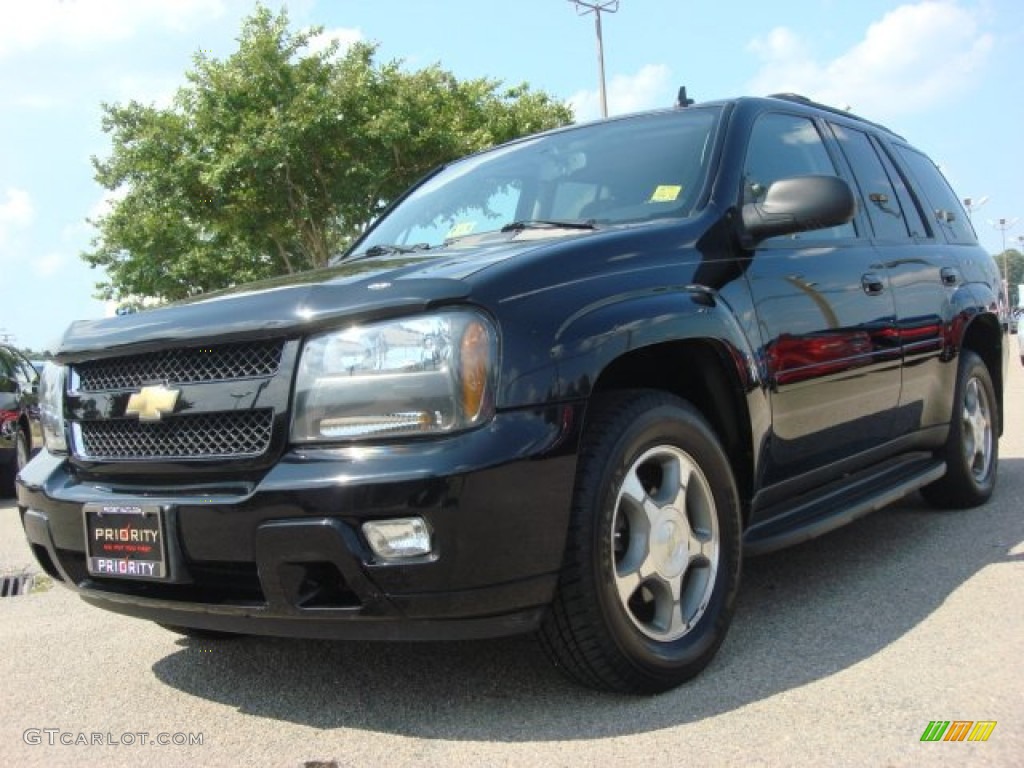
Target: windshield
<point>597,175</point>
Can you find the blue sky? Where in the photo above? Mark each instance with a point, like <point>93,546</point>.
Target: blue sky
<point>943,73</point>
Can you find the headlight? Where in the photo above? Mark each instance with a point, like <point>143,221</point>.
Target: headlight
<point>51,407</point>
<point>422,375</point>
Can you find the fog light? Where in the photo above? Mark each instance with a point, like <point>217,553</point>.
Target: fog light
<point>399,538</point>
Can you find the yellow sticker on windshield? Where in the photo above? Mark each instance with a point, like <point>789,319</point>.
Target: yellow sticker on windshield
<point>461,229</point>
<point>666,193</point>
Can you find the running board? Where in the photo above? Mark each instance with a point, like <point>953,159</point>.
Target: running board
<point>839,504</point>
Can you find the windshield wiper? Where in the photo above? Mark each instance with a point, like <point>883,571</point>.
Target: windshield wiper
<point>388,249</point>
<point>519,226</point>
<point>382,249</point>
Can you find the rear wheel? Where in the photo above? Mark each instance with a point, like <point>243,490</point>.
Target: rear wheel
<point>972,448</point>
<point>653,558</point>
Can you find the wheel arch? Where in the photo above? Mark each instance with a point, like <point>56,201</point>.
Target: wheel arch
<point>707,376</point>
<point>26,427</point>
<point>984,336</point>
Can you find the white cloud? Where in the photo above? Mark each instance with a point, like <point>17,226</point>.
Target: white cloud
<point>345,38</point>
<point>49,265</point>
<point>16,213</point>
<point>26,25</point>
<point>649,88</point>
<point>105,203</point>
<point>155,90</point>
<point>33,101</point>
<point>916,56</point>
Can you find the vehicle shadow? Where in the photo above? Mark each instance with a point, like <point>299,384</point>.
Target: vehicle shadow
<point>804,614</point>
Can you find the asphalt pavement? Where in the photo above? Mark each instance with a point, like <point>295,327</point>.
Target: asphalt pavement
<point>843,650</point>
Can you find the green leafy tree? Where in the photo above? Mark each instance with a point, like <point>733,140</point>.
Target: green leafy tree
<point>1014,263</point>
<point>272,160</point>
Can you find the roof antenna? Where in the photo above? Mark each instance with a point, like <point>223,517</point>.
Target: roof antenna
<point>681,100</point>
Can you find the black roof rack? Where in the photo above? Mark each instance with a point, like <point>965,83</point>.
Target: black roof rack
<point>797,98</point>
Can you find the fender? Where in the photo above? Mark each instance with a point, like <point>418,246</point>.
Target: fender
<point>595,336</point>
<point>590,340</point>
<point>978,324</point>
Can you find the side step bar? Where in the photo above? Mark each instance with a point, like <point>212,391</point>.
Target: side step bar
<point>833,507</point>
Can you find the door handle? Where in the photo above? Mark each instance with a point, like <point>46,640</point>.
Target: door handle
<point>872,284</point>
<point>950,275</point>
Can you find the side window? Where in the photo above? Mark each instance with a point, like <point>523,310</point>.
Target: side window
<point>7,383</point>
<point>878,196</point>
<point>941,206</point>
<point>24,372</point>
<point>782,146</point>
<point>911,210</point>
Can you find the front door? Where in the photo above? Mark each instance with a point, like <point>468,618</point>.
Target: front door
<point>826,317</point>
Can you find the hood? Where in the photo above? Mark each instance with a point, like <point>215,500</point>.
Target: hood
<point>296,304</point>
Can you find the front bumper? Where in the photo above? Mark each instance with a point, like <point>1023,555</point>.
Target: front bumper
<point>286,556</point>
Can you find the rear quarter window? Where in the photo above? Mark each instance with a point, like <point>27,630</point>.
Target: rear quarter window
<point>939,204</point>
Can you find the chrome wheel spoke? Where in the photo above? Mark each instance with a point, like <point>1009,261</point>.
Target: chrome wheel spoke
<point>627,584</point>
<point>703,550</point>
<point>977,429</point>
<point>633,489</point>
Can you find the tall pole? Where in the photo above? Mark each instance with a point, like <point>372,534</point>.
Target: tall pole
<point>600,61</point>
<point>1002,225</point>
<point>972,204</point>
<point>608,6</point>
<point>1020,243</point>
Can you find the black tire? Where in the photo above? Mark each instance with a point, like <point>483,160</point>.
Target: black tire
<point>971,451</point>
<point>22,451</point>
<point>671,552</point>
<point>201,634</point>
<point>9,473</point>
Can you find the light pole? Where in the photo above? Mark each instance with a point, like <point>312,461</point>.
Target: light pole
<point>596,8</point>
<point>1002,225</point>
<point>972,204</point>
<point>1020,250</point>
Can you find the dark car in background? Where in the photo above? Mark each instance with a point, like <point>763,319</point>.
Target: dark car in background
<point>20,432</point>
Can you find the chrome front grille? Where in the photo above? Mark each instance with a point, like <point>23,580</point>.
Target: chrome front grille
<point>231,434</point>
<point>226,400</point>
<point>181,366</point>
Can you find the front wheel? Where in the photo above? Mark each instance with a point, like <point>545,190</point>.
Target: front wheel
<point>972,448</point>
<point>652,562</point>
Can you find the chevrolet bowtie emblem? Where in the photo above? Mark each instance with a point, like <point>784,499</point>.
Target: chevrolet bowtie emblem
<point>152,403</point>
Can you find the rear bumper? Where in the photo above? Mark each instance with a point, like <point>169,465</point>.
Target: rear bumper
<point>287,556</point>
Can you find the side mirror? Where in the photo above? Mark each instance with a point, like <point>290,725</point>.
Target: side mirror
<point>798,204</point>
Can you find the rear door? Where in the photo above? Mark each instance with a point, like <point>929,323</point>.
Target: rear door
<point>940,291</point>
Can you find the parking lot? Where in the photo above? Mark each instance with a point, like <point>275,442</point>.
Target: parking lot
<point>843,650</point>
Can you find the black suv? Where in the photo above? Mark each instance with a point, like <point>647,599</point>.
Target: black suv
<point>562,385</point>
<point>19,416</point>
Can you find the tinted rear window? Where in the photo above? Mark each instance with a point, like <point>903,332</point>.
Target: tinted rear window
<point>940,205</point>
